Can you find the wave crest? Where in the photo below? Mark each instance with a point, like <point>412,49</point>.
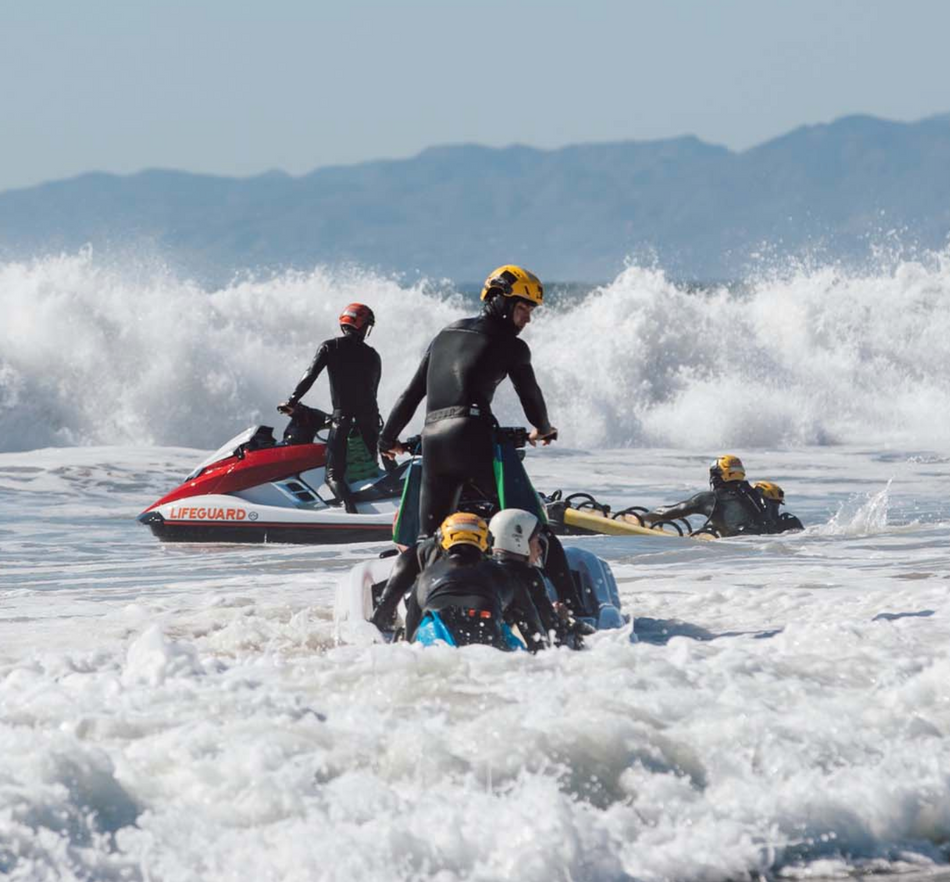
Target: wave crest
<point>101,354</point>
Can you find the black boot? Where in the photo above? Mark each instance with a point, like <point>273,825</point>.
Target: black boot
<point>342,493</point>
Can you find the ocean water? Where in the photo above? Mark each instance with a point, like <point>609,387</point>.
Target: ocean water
<point>186,712</point>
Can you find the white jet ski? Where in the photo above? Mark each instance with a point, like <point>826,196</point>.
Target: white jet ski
<point>254,489</point>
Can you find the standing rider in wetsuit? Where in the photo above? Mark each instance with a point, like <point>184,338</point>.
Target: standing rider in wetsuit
<point>472,597</point>
<point>354,369</point>
<point>731,507</point>
<point>458,375</point>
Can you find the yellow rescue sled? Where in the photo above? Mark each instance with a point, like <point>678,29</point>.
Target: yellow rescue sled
<point>581,514</point>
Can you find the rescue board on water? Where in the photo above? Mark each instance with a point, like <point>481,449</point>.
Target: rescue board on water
<point>597,523</point>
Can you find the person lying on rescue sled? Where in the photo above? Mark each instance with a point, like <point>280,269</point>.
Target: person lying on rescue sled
<point>731,506</point>
<point>772,497</point>
<point>353,368</point>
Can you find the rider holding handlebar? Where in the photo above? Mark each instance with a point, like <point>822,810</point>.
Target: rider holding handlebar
<point>458,375</point>
<point>354,370</point>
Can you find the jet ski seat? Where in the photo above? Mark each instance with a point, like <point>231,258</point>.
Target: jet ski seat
<point>386,487</point>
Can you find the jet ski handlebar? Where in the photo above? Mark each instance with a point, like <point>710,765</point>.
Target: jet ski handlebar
<point>304,423</point>
<point>517,436</point>
<point>413,445</point>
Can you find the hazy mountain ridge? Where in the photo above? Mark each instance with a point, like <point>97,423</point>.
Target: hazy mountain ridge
<point>571,213</point>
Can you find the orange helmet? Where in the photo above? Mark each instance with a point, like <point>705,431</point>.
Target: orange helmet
<point>358,317</point>
<point>727,468</point>
<point>770,490</point>
<point>463,528</point>
<point>513,281</point>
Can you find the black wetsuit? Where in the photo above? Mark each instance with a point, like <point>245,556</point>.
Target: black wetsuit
<point>458,376</point>
<point>566,631</point>
<point>353,369</point>
<point>780,521</point>
<point>558,571</point>
<point>730,508</point>
<point>473,596</point>
<point>426,551</point>
<point>406,570</point>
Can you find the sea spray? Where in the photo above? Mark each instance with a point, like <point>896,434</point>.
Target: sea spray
<point>814,358</point>
<point>858,517</point>
<point>93,353</point>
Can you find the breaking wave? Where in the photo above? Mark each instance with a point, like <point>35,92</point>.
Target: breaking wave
<point>93,353</point>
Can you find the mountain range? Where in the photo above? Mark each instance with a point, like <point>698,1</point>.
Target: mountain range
<point>833,191</point>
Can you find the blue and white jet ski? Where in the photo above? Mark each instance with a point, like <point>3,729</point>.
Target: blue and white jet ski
<point>358,590</point>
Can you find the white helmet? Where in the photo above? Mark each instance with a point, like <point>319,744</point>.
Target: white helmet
<point>512,530</point>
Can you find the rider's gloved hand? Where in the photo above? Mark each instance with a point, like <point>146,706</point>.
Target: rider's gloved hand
<point>570,631</point>
<point>582,629</point>
<point>287,407</point>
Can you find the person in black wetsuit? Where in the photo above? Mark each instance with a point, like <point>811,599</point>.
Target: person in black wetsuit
<point>458,376</point>
<point>473,596</point>
<point>406,570</point>
<point>731,506</point>
<point>354,369</point>
<point>518,539</point>
<point>773,496</point>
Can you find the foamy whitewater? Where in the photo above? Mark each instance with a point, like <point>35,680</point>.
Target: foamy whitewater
<point>185,712</point>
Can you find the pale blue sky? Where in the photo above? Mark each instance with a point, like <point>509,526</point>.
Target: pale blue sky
<point>237,88</point>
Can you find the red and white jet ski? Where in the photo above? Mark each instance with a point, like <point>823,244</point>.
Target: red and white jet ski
<point>255,490</point>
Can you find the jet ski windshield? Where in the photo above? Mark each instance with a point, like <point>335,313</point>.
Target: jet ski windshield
<point>231,448</point>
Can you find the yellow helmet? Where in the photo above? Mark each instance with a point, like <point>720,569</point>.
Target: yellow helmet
<point>513,281</point>
<point>728,468</point>
<point>770,491</point>
<point>463,528</point>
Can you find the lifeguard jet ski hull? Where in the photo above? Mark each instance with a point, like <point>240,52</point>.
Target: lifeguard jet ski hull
<point>272,493</point>
<point>216,519</point>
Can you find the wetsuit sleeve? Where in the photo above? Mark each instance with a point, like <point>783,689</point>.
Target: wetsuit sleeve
<point>405,571</point>
<point>790,522</point>
<point>702,503</point>
<point>542,603</point>
<point>526,385</point>
<point>307,380</point>
<point>405,406</point>
<point>558,570</point>
<point>524,614</point>
<point>413,616</point>
<point>379,373</point>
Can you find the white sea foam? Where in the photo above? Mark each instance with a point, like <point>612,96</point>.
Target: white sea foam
<point>184,712</point>
<point>98,354</point>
